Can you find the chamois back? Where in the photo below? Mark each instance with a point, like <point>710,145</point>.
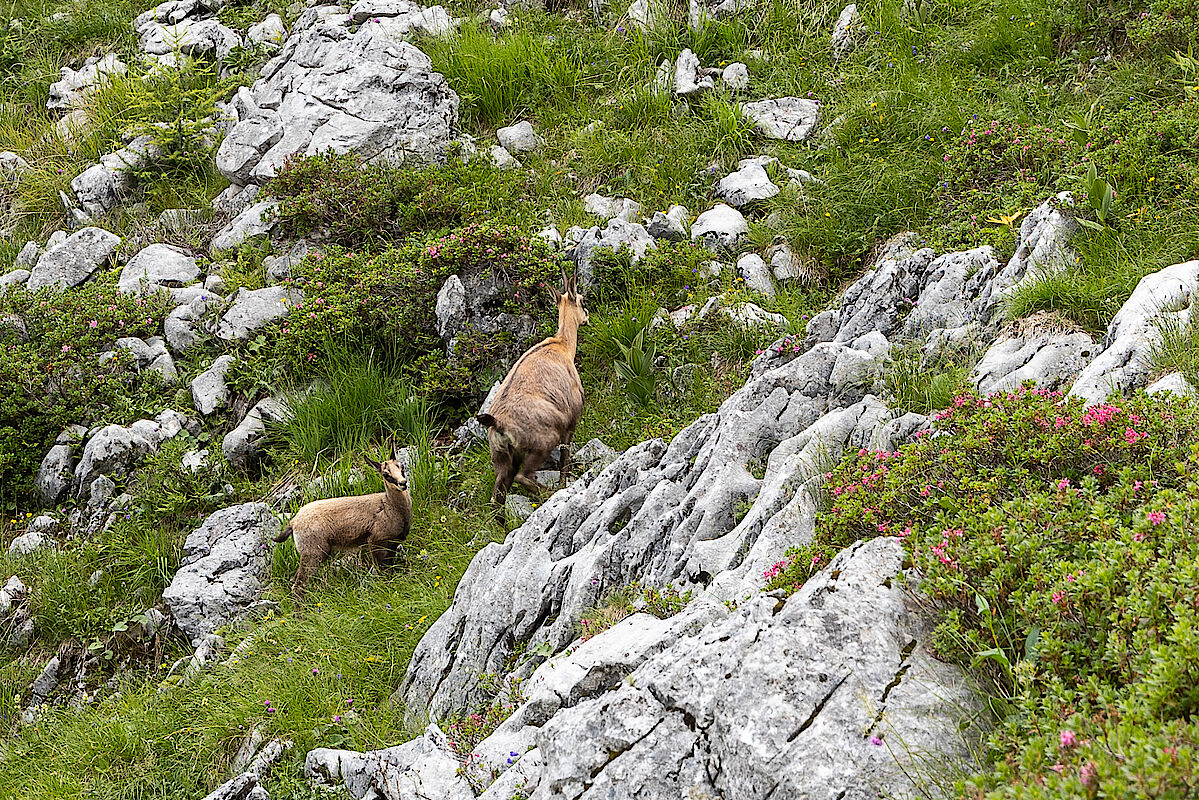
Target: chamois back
<point>539,403</point>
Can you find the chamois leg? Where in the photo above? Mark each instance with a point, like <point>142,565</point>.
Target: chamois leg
<point>309,563</point>
<point>564,463</point>
<point>505,470</point>
<point>383,552</point>
<point>527,476</point>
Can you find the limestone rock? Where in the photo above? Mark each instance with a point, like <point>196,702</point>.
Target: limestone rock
<point>689,77</point>
<point>749,184</point>
<point>843,30</point>
<point>791,119</point>
<point>422,768</point>
<point>1174,383</point>
<point>54,476</point>
<point>206,38</point>
<point>242,446</point>
<point>720,227</point>
<point>13,168</point>
<point>616,235</point>
<point>756,274</point>
<point>256,220</point>
<point>450,308</point>
<point>736,76</point>
<point>224,569</point>
<point>776,702</point>
<point>671,226</point>
<point>158,265</point>
<point>1161,298</point>
<point>621,208</point>
<point>18,277</point>
<point>519,138</point>
<point>75,260</point>
<point>75,86</point>
<point>209,391</point>
<point>334,88</point>
<point>1050,360</point>
<point>502,158</point>
<point>252,309</point>
<point>270,32</point>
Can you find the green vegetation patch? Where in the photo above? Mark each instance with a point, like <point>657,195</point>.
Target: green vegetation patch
<point>1057,542</point>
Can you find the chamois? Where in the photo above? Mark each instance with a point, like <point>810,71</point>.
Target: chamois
<point>538,405</point>
<point>379,520</point>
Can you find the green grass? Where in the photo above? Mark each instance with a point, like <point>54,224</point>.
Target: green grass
<point>1178,350</point>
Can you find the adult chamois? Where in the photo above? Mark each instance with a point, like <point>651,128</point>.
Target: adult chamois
<point>539,403</point>
<point>380,521</point>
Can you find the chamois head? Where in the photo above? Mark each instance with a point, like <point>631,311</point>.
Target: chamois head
<point>569,302</point>
<point>392,472</point>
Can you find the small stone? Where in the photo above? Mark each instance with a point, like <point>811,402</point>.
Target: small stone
<point>502,158</point>
<point>736,76</point>
<point>720,227</point>
<point>756,274</point>
<point>209,390</point>
<point>519,138</point>
<point>791,119</point>
<point>74,260</point>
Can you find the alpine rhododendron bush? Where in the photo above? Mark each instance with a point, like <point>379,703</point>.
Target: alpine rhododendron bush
<point>1058,543</point>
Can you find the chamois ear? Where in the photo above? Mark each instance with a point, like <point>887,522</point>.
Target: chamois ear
<point>375,464</point>
<point>486,420</point>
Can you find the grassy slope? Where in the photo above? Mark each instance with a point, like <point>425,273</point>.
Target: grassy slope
<point>895,110</point>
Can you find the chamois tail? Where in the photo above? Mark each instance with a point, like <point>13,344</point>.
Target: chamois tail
<point>284,536</point>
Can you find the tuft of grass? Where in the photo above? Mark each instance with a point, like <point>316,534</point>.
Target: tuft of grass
<point>914,386</point>
<point>1178,349</point>
<point>355,405</point>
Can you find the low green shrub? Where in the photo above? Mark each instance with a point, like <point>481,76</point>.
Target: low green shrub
<point>628,600</point>
<point>384,302</point>
<point>1057,541</point>
<point>355,204</point>
<point>49,376</point>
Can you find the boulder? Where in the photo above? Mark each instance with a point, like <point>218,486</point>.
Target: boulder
<point>519,138</point>
<point>74,86</point>
<point>251,309</point>
<point>54,476</point>
<point>502,158</point>
<point>720,227</point>
<point>242,446</point>
<point>111,450</point>
<point>13,168</point>
<point>1174,383</point>
<point>616,235</point>
<point>671,226</point>
<point>756,274</point>
<point>180,326</point>
<point>75,260</point>
<point>791,119</point>
<point>749,184</point>
<point>450,308</point>
<point>611,207</point>
<point>843,30</point>
<point>158,266</point>
<point>224,570</point>
<point>736,76</point>
<point>333,88</point>
<point>205,38</point>
<point>18,277</point>
<point>270,32</point>
<point>209,391</point>
<point>256,220</point>
<point>28,543</point>
<point>1159,299</point>
<point>689,77</point>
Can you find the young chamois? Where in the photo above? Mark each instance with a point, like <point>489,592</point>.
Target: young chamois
<point>380,521</point>
<point>538,404</point>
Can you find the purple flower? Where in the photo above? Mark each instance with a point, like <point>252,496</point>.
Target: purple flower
<point>876,741</point>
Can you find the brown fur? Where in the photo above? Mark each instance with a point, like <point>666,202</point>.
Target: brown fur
<point>538,404</point>
<point>379,521</point>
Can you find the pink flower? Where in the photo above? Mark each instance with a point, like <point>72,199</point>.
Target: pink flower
<point>1063,484</point>
<point>876,741</point>
<point>1068,739</point>
<point>1089,773</point>
<point>1157,517</point>
<point>1059,598</point>
<point>93,324</point>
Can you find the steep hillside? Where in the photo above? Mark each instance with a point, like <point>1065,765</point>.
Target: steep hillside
<point>865,500</point>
